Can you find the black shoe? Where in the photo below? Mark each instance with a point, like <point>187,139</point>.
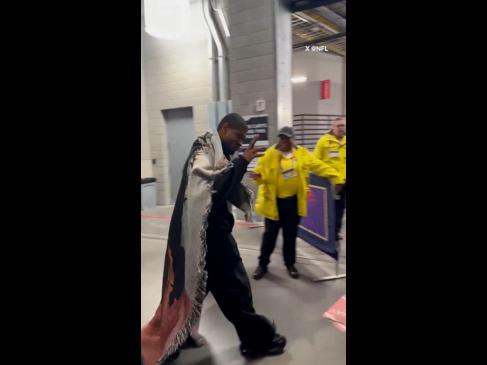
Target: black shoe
<point>193,341</point>
<point>276,348</point>
<point>292,272</point>
<point>172,357</point>
<point>259,272</point>
<point>279,341</point>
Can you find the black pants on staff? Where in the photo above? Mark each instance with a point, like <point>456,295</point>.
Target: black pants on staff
<point>230,286</point>
<point>339,210</point>
<point>288,221</point>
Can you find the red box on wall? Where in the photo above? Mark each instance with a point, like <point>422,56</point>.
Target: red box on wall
<point>325,89</point>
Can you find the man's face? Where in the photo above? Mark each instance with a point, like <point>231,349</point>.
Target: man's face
<point>339,128</point>
<point>232,138</point>
<point>285,143</point>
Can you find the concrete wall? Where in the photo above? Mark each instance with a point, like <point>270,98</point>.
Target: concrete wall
<point>317,67</point>
<point>176,73</point>
<point>252,57</point>
<point>145,149</point>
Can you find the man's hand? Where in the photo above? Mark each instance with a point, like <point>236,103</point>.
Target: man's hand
<point>254,175</point>
<point>250,153</point>
<point>338,188</point>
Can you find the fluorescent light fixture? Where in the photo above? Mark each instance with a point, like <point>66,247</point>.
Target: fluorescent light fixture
<point>166,19</point>
<point>298,79</point>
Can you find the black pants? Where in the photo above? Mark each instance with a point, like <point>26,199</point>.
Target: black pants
<point>289,221</point>
<point>339,209</point>
<point>230,286</point>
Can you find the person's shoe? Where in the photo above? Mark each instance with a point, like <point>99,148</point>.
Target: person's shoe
<point>292,272</point>
<point>172,357</point>
<point>276,348</point>
<point>279,341</point>
<point>259,272</point>
<point>193,341</point>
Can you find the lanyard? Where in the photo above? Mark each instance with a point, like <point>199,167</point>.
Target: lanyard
<point>293,159</point>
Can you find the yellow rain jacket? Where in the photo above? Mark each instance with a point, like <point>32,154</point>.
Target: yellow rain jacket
<point>268,167</point>
<point>334,153</point>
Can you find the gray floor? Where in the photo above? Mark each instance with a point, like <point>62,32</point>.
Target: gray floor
<point>296,306</point>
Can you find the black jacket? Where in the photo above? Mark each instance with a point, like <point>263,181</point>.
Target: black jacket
<point>220,219</point>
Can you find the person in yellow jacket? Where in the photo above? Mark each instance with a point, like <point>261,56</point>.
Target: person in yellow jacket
<point>282,174</point>
<point>332,149</point>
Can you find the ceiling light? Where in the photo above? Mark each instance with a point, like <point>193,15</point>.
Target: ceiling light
<point>166,19</point>
<point>298,79</point>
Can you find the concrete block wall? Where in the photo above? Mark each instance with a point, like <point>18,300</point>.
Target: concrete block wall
<point>252,57</point>
<point>145,150</point>
<point>176,73</point>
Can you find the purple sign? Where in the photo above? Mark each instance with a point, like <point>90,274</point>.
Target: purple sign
<point>315,222</point>
<point>318,227</point>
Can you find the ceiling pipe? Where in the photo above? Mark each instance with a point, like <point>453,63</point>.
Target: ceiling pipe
<point>319,40</point>
<point>221,50</point>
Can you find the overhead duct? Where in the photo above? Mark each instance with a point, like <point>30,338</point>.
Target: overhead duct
<point>216,6</point>
<point>220,50</point>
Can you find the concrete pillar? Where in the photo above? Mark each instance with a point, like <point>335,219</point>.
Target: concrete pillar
<point>261,60</point>
<point>284,54</point>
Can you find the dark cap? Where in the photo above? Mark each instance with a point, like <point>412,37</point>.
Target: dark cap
<point>286,131</point>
